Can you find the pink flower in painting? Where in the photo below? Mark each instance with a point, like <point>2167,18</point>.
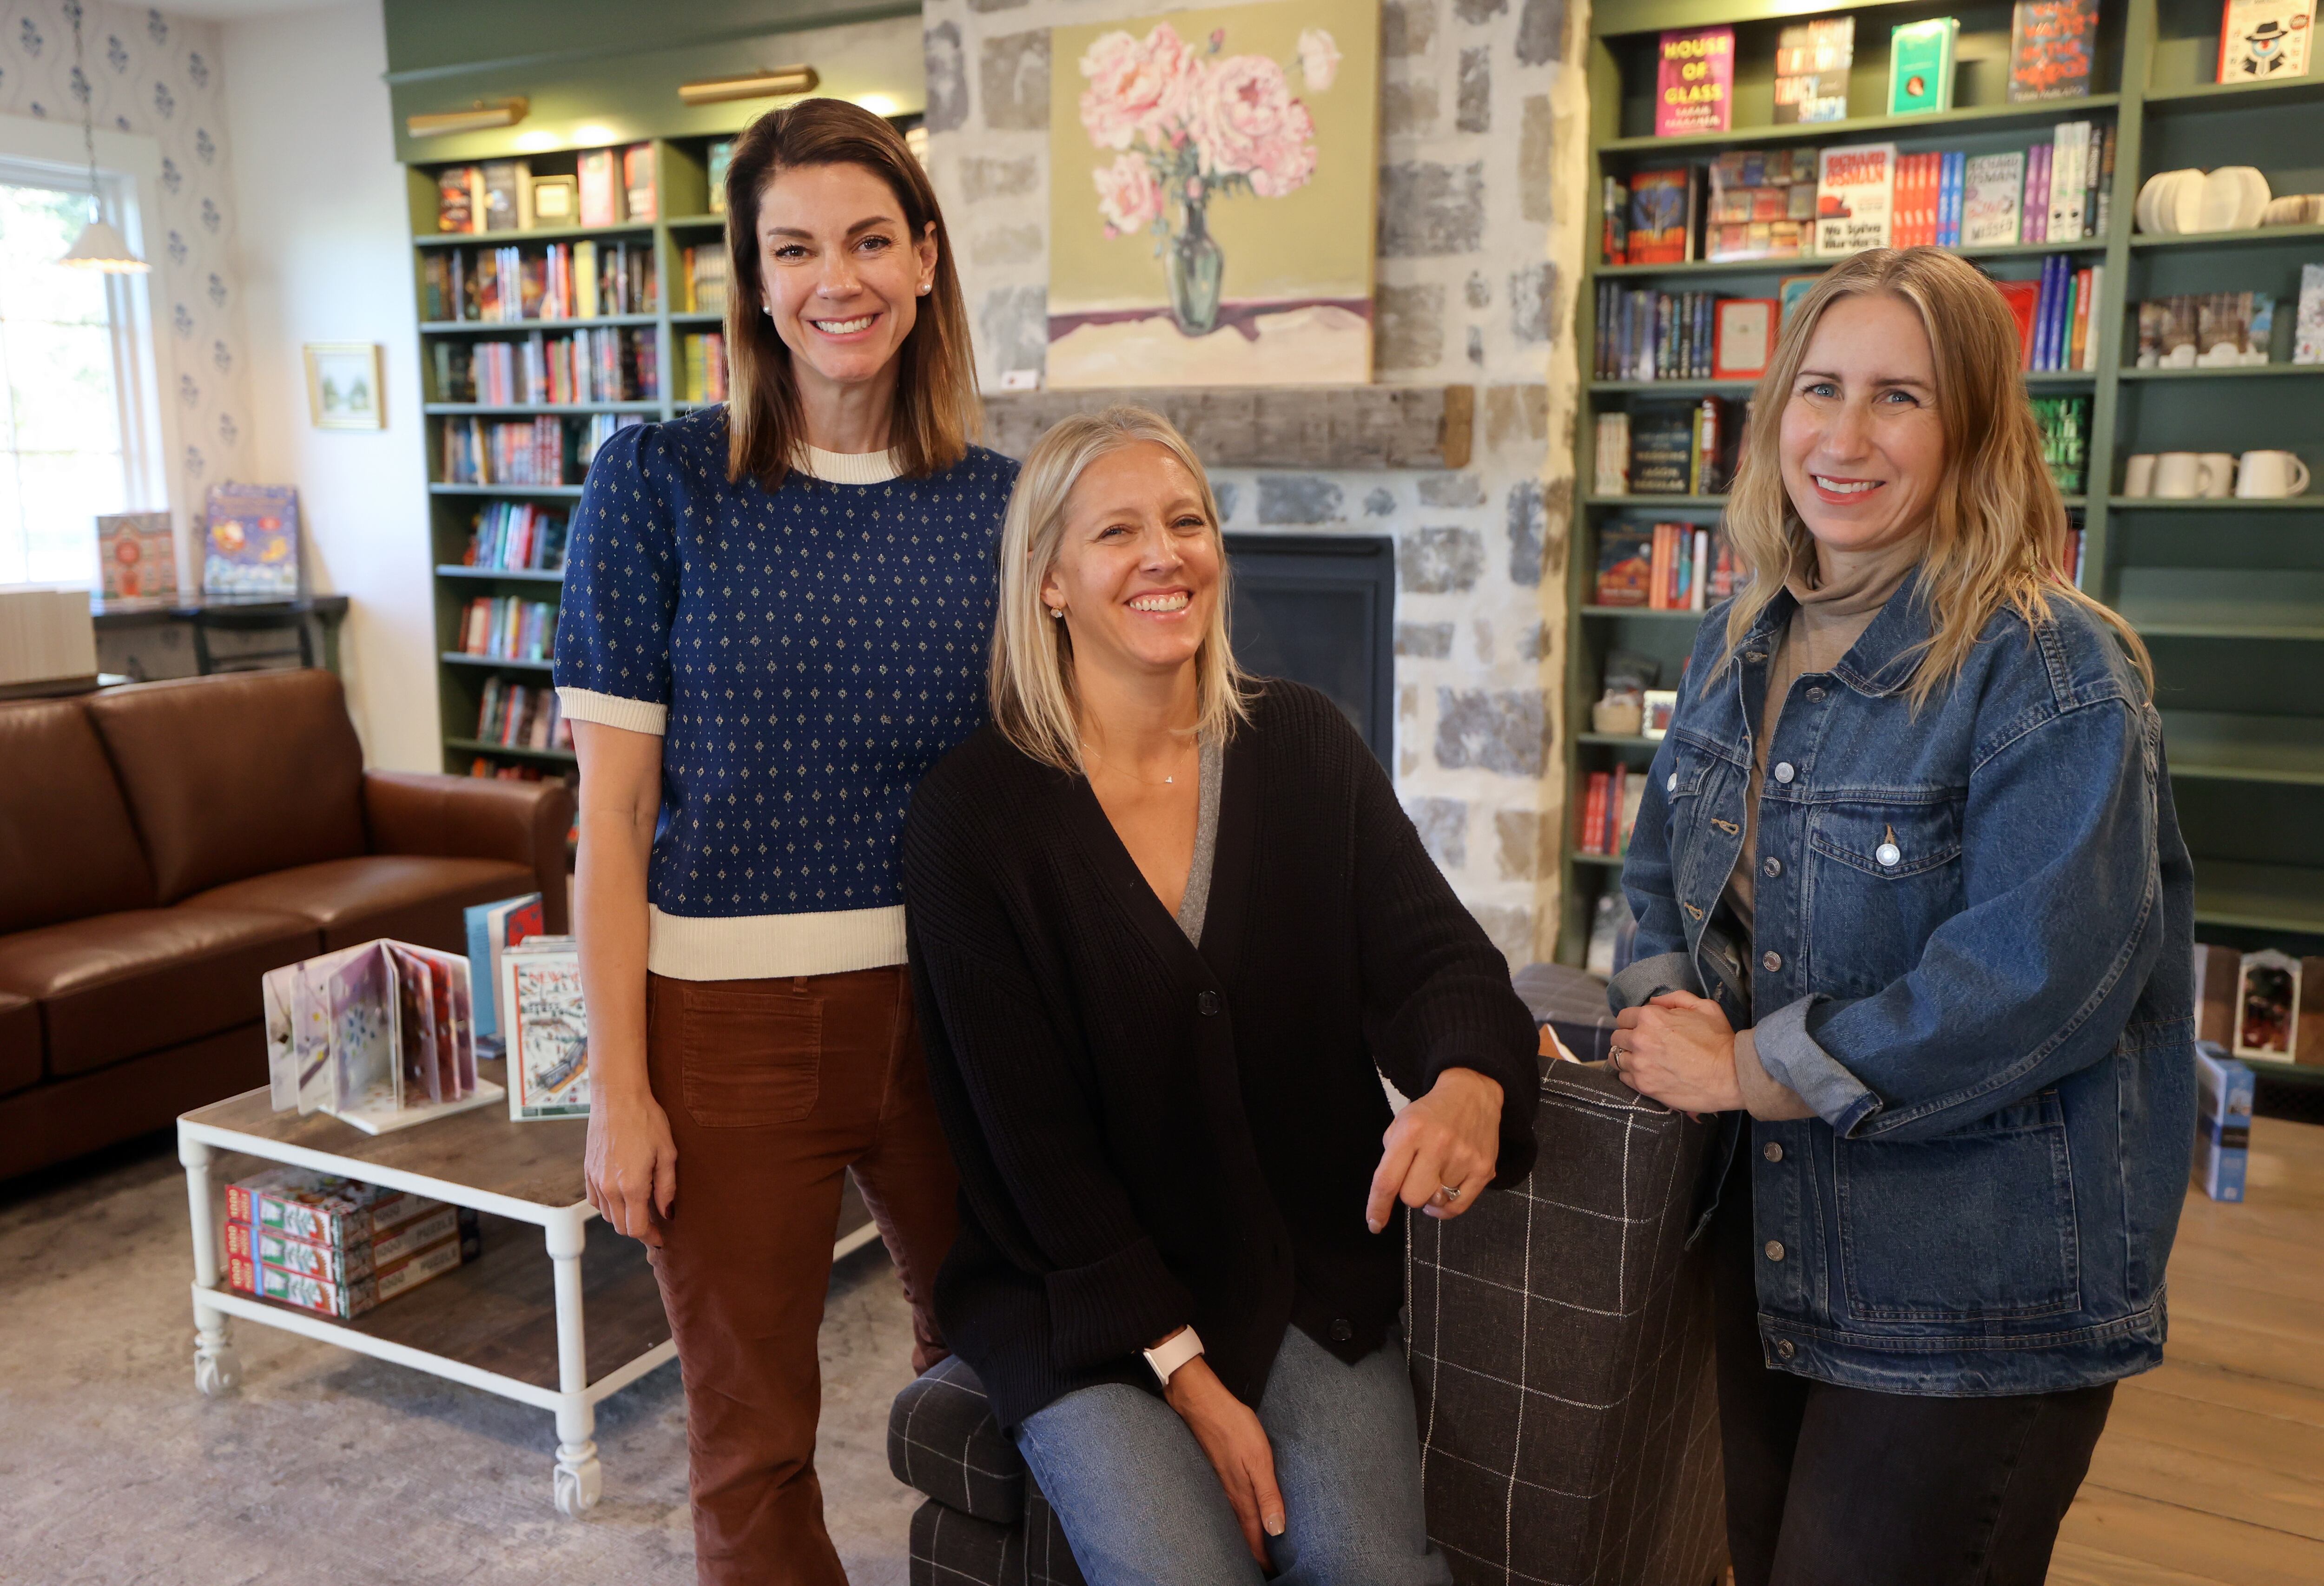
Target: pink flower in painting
<point>1248,121</point>
<point>1319,58</point>
<point>1129,198</point>
<point>1136,87</point>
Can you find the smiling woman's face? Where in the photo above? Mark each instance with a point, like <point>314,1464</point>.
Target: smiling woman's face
<point>842,274</point>
<point>1137,573</point>
<point>1863,446</point>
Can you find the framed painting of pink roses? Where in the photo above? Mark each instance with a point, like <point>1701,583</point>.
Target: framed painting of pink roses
<point>1213,182</point>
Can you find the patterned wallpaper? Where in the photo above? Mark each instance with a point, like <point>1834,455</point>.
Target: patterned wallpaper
<point>147,72</point>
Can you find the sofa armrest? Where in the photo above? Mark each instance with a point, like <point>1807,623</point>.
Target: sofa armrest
<point>942,1440</point>
<point>476,817</point>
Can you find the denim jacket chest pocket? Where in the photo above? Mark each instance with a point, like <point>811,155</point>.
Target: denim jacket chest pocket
<point>1885,871</point>
<point>1698,783</point>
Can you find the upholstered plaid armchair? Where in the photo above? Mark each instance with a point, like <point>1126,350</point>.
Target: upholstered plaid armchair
<point>1559,1347</point>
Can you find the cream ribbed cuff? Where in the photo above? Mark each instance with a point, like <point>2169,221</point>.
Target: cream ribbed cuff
<point>770,947</point>
<point>610,710</point>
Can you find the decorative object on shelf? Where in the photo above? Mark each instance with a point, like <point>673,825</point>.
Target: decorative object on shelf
<point>2307,330</point>
<point>380,1036</point>
<point>1163,119</point>
<point>1661,705</point>
<point>547,1029</point>
<point>1811,64</point>
<point>1762,205</point>
<point>2269,475</point>
<point>2225,1091</point>
<point>556,200</point>
<point>343,385</point>
<point>2181,203</point>
<point>136,554</point>
<point>2051,44</point>
<point>1855,192</point>
<point>2267,1005</point>
<point>1620,713</point>
<point>2265,40</point>
<point>2192,475</point>
<point>1920,66</point>
<point>1694,90</point>
<point>2138,476</point>
<point>252,542</point>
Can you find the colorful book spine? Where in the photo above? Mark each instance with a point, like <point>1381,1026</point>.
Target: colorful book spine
<point>2036,208</point>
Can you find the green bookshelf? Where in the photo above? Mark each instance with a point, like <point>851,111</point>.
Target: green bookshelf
<point>2228,594</point>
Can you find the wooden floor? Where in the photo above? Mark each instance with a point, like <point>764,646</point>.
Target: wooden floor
<point>2211,1470</point>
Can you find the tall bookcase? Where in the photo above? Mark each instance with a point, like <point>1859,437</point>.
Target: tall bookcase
<point>682,203</point>
<point>2230,594</point>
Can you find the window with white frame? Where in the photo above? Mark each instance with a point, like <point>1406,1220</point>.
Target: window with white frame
<point>68,373</point>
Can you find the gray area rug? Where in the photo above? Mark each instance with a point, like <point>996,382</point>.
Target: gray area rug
<point>330,1467</point>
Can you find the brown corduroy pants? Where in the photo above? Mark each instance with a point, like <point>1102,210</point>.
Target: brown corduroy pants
<point>774,1088</point>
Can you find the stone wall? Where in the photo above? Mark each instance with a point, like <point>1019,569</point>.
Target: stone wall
<point>1481,229</point>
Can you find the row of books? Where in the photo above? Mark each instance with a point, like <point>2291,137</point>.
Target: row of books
<point>562,281</point>
<point>2070,560</point>
<point>2209,329</point>
<point>2065,422</point>
<point>524,451</point>
<point>337,1248</point>
<point>607,365</point>
<point>609,187</point>
<point>512,536</point>
<point>1645,335</point>
<point>1664,567</point>
<point>521,715</point>
<point>1831,202</point>
<point>1669,450</point>
<point>507,627</point>
<point>1609,809</point>
<point>705,362</point>
<point>706,279</point>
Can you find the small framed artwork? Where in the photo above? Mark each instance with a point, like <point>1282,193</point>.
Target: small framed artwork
<point>343,390</point>
<point>1743,337</point>
<point>1662,704</point>
<point>557,200</point>
<point>2267,1006</point>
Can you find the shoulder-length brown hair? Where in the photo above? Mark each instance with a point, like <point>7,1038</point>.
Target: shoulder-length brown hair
<point>937,409</point>
<point>1998,529</point>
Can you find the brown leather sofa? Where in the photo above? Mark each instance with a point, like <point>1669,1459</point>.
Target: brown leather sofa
<point>163,845</point>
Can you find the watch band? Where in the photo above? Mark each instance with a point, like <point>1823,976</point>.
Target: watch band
<point>1175,1350</point>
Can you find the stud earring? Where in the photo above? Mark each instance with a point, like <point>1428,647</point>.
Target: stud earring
<point>925,287</point>
<point>1057,613</point>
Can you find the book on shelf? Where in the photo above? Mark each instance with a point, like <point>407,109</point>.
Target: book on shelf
<point>1695,86</point>
<point>1920,66</point>
<point>1662,567</point>
<point>2265,40</point>
<point>601,192</point>
<point>1789,292</point>
<point>1663,209</point>
<point>1992,199</point>
<point>706,279</point>
<point>521,715</point>
<point>1612,453</point>
<point>1662,451</point>
<point>509,536</point>
<point>459,199</point>
<point>492,928</point>
<point>1812,65</point>
<point>1609,810</point>
<point>508,195</point>
<point>2225,1092</point>
<point>547,1028</point>
<point>640,198</point>
<point>1855,191</point>
<point>1644,335</point>
<point>2070,150</point>
<point>507,627</point>
<point>704,356</point>
<point>2051,44</point>
<point>136,554</point>
<point>717,158</point>
<point>2064,424</point>
<point>1614,235</point>
<point>1762,204</point>
<point>1743,337</point>
<point>1714,436</point>
<point>1624,565</point>
<point>2307,324</point>
<point>250,540</point>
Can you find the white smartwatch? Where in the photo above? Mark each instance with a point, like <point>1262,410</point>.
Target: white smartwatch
<point>1175,1350</point>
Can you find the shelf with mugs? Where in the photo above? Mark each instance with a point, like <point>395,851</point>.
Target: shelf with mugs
<point>2274,370</point>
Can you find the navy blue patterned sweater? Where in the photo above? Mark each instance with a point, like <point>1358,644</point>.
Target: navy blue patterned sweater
<point>807,653</point>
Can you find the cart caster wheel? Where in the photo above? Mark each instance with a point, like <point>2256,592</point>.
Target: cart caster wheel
<point>577,1484</point>
<point>217,1371</point>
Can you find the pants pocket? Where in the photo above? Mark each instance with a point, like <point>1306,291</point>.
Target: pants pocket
<point>751,1057</point>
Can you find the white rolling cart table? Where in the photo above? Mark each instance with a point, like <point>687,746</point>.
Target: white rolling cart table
<point>509,1324</point>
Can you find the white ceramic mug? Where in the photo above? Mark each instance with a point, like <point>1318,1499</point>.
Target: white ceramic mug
<point>2218,474</point>
<point>2138,477</point>
<point>2178,475</point>
<point>2264,475</point>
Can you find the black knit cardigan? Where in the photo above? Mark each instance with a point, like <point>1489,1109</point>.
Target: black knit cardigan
<point>1148,1135</point>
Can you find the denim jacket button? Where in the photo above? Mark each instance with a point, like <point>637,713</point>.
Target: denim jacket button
<point>1772,1151</point>
<point>1784,772</point>
<point>1771,865</point>
<point>1771,961</point>
<point>1672,785</point>
<point>1786,1349</point>
<point>1775,1250</point>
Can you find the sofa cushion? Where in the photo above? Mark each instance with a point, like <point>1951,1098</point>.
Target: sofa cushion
<point>407,896</point>
<point>942,1439</point>
<point>1571,1001</point>
<point>66,846</point>
<point>20,1042</point>
<point>119,984</point>
<point>235,775</point>
<point>64,1119</point>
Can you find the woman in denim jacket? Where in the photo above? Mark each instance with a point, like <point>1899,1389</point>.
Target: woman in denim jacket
<point>1916,918</point>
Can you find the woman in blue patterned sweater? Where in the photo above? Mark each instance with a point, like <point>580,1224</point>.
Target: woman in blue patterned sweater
<point>774,623</point>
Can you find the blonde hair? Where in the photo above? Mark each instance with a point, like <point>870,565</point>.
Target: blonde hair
<point>1030,680</point>
<point>937,409</point>
<point>1997,527</point>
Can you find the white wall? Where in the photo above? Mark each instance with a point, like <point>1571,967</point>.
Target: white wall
<point>325,255</point>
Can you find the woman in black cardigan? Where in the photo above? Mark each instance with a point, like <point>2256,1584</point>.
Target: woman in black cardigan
<point>1169,927</point>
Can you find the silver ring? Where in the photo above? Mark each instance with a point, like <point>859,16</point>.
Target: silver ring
<point>1452,1192</point>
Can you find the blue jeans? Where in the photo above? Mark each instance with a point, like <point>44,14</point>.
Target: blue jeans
<point>1142,1507</point>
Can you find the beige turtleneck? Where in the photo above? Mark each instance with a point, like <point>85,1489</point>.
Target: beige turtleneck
<point>1830,617</point>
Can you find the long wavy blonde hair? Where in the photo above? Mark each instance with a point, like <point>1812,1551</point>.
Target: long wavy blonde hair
<point>1030,679</point>
<point>1998,526</point>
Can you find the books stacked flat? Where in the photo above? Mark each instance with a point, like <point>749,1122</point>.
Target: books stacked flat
<point>335,1247</point>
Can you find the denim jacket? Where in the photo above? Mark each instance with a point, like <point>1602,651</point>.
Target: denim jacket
<point>1972,956</point>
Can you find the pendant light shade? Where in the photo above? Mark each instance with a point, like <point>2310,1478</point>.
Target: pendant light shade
<point>101,248</point>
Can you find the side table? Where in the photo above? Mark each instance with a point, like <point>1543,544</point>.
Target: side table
<point>560,1336</point>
